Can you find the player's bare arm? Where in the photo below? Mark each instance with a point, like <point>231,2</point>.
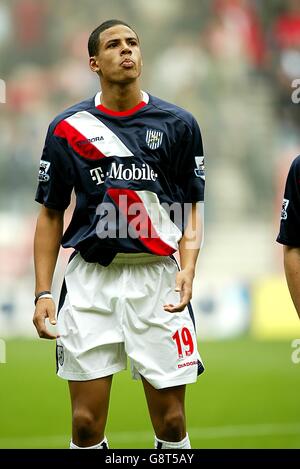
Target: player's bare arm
<point>47,240</point>
<point>292,272</point>
<point>189,248</point>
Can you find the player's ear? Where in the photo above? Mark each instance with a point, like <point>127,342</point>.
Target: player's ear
<point>94,64</point>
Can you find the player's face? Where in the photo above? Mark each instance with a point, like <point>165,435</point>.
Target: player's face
<point>119,59</point>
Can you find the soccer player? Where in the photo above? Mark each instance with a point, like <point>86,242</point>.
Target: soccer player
<point>289,234</point>
<point>135,163</point>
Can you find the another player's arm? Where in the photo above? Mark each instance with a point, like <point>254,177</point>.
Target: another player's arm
<point>292,272</point>
<point>48,234</point>
<point>189,248</point>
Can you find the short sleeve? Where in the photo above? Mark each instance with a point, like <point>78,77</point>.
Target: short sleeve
<point>289,233</point>
<point>56,175</point>
<point>191,171</point>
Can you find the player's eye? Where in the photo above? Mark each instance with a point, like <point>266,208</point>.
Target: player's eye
<point>112,45</point>
<point>133,43</point>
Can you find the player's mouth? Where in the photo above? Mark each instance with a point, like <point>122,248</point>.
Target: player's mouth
<point>127,63</point>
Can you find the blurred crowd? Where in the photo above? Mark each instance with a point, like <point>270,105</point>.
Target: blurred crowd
<point>239,63</point>
<point>230,62</point>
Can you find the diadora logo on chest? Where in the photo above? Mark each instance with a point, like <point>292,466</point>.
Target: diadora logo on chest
<point>121,173</point>
<point>90,140</point>
<point>154,138</point>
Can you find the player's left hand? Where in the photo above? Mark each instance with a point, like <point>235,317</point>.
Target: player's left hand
<point>184,283</point>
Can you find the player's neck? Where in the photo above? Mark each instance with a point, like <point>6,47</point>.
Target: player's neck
<point>121,98</point>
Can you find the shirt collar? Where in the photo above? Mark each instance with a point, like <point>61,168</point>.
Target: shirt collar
<point>128,112</point>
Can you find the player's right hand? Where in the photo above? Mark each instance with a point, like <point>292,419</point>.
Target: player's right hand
<point>45,308</point>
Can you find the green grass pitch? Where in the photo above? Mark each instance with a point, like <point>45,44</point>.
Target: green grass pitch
<point>248,397</point>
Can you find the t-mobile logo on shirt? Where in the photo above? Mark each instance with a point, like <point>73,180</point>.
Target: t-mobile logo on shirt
<point>118,171</point>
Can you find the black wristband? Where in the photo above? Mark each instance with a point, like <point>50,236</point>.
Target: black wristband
<point>40,294</point>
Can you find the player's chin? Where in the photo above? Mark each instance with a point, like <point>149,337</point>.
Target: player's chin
<point>131,71</point>
<point>127,77</point>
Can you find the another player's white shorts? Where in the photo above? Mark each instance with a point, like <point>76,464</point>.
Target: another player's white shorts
<point>109,313</point>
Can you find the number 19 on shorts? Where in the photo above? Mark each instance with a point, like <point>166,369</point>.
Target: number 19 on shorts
<point>184,341</point>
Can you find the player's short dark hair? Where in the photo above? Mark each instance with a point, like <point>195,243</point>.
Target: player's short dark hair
<point>94,39</point>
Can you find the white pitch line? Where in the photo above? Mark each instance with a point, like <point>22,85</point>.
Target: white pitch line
<point>260,429</point>
<point>205,433</point>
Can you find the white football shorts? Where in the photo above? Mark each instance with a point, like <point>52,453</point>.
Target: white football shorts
<point>110,313</point>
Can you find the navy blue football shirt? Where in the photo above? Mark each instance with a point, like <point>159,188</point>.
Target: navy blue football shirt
<point>131,171</point>
<point>289,233</point>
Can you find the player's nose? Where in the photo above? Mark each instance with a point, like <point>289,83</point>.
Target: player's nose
<point>126,49</point>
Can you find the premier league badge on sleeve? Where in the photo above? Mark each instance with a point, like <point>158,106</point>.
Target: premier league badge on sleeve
<point>199,171</point>
<point>285,204</point>
<point>44,168</point>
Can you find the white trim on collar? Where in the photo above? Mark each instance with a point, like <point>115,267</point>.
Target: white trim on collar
<point>145,98</point>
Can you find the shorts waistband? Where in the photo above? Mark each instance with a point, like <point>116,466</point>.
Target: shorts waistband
<point>137,258</point>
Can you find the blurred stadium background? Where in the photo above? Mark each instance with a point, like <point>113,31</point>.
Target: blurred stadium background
<point>232,64</point>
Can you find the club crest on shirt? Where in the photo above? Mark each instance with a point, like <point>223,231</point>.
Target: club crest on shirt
<point>44,168</point>
<point>285,204</point>
<point>60,354</point>
<point>154,138</point>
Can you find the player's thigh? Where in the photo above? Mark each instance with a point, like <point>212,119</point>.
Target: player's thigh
<point>91,396</point>
<point>164,401</point>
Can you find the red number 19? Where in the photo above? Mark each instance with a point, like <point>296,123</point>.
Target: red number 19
<point>186,339</point>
